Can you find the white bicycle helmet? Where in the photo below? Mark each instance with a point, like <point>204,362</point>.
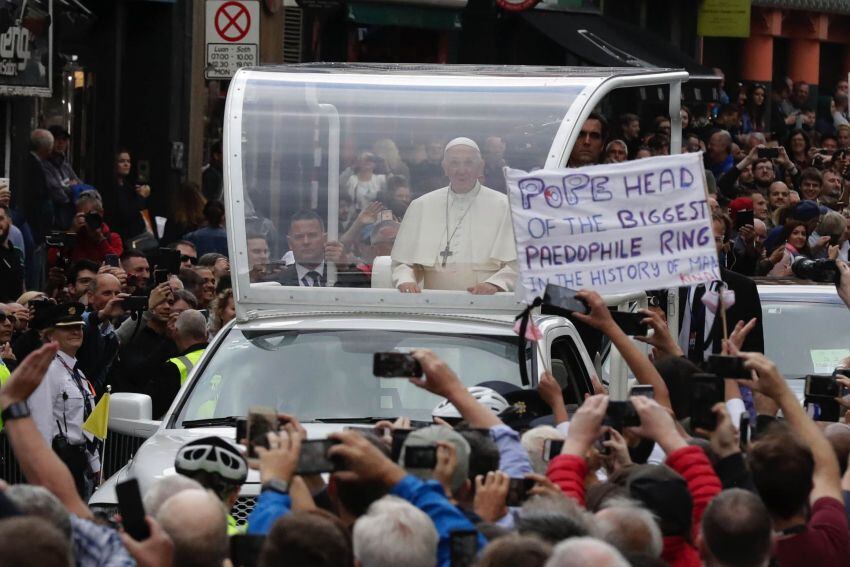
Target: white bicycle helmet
<point>212,455</point>
<point>489,398</point>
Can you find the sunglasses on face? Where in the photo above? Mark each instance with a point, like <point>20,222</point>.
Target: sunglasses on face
<point>185,258</point>
<point>11,318</point>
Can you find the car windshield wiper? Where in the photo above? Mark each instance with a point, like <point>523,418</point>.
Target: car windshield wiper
<point>351,419</point>
<point>212,422</point>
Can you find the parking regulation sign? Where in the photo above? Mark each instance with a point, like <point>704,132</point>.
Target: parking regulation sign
<point>232,36</point>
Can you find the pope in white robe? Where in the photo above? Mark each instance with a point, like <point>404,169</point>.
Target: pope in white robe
<point>459,237</point>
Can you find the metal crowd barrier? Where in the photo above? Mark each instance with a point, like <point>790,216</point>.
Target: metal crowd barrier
<point>118,451</point>
<point>9,469</point>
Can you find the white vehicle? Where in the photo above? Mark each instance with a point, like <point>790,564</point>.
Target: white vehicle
<point>307,351</point>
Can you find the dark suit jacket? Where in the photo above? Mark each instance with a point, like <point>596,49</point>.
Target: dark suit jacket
<point>747,305</point>
<point>346,276</point>
<point>34,199</point>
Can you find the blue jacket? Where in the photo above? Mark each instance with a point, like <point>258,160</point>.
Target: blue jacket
<point>427,496</point>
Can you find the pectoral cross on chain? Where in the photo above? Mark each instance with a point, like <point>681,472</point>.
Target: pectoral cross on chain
<point>445,255</point>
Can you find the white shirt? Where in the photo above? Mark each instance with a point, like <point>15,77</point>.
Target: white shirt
<point>685,331</point>
<point>303,271</point>
<point>363,193</point>
<point>58,399</point>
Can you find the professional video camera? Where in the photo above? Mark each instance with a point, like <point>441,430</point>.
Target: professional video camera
<point>822,271</point>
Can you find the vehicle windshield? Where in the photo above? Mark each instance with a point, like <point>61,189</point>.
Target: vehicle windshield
<point>328,374</point>
<point>824,342</point>
<point>412,200</point>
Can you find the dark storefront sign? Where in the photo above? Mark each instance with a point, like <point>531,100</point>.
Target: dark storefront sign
<point>26,47</point>
<point>401,15</point>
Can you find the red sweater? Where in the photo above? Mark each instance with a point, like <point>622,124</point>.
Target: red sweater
<point>87,249</point>
<point>568,472</point>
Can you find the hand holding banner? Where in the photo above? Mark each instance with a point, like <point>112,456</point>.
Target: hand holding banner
<point>615,228</point>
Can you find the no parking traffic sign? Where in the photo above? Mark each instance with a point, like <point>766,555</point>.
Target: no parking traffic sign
<point>232,36</point>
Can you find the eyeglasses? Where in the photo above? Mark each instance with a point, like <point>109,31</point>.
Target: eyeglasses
<point>192,259</point>
<point>11,318</point>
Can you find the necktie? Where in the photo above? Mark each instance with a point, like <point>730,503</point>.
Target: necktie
<point>696,344</point>
<point>81,385</point>
<point>312,279</point>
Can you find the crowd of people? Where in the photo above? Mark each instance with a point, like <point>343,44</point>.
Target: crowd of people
<point>98,294</point>
<point>595,487</point>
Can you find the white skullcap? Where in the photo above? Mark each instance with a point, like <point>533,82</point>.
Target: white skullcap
<point>462,142</point>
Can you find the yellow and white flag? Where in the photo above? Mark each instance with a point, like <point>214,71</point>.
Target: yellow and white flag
<point>98,420</point>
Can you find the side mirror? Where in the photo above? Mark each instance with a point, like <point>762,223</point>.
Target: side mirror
<point>126,406</point>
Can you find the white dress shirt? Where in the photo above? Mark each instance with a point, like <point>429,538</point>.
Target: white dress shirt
<point>58,401</point>
<point>302,272</point>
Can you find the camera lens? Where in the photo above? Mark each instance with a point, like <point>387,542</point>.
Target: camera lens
<point>822,271</point>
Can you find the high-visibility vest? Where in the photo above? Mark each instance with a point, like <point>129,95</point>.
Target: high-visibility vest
<point>186,362</point>
<point>233,528</point>
<point>4,377</point>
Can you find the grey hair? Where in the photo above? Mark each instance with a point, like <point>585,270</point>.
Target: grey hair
<point>533,442</point>
<point>38,501</point>
<point>758,136</point>
<point>832,224</point>
<point>394,532</point>
<point>191,324</point>
<point>629,527</point>
<point>586,552</point>
<point>554,518</point>
<point>727,137</point>
<point>41,139</point>
<point>165,488</point>
<point>90,196</point>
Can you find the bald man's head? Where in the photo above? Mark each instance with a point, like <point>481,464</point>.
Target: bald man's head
<point>197,524</point>
<point>102,289</point>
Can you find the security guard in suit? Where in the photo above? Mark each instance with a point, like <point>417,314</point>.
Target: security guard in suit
<point>191,337</point>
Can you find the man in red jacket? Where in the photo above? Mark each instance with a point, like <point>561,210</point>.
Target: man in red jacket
<point>94,239</point>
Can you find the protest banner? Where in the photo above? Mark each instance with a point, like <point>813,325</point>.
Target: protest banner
<point>614,228</point>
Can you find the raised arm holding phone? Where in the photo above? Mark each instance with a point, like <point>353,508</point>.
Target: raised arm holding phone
<point>600,318</point>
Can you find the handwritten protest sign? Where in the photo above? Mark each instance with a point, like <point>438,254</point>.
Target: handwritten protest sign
<point>617,228</point>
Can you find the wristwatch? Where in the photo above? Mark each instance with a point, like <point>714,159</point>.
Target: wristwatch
<point>277,485</point>
<point>15,411</point>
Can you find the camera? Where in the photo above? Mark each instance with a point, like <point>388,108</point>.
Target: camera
<point>395,365</point>
<point>135,303</point>
<point>707,390</point>
<point>60,239</point>
<point>621,414</point>
<point>93,220</point>
<point>768,153</point>
<point>821,271</point>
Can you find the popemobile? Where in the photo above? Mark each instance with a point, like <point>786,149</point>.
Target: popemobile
<point>440,274</point>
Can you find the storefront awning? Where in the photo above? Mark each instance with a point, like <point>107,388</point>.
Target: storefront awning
<point>405,16</point>
<point>606,42</point>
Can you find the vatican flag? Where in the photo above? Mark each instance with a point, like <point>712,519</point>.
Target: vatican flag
<point>98,420</point>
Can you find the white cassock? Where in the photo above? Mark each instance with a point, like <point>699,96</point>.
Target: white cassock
<point>482,246</point>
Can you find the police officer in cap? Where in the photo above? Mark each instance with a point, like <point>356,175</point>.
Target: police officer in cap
<point>65,398</point>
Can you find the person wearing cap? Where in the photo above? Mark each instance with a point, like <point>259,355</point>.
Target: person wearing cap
<point>65,398</point>
<point>459,237</point>
<point>60,177</point>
